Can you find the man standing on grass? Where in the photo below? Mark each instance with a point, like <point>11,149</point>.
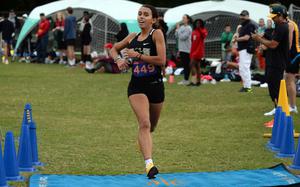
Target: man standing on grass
<point>277,54</point>
<point>7,29</point>
<point>246,49</point>
<point>70,36</point>
<point>42,36</point>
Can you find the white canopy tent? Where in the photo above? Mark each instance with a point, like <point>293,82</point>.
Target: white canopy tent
<point>256,10</point>
<point>114,9</point>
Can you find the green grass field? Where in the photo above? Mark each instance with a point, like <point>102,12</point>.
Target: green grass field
<point>85,124</point>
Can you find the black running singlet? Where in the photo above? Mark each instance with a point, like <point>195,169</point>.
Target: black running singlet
<point>143,71</point>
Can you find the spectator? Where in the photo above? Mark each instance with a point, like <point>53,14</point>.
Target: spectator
<point>7,30</point>
<point>86,39</point>
<point>42,36</point>
<point>261,26</point>
<point>197,50</point>
<point>82,22</point>
<point>70,36</point>
<point>102,64</point>
<point>13,18</point>
<point>81,27</point>
<point>259,53</point>
<point>234,45</point>
<point>17,25</point>
<point>25,47</point>
<point>269,29</point>
<point>59,36</point>
<point>292,67</point>
<point>267,35</point>
<point>123,32</point>
<point>226,38</point>
<point>246,50</point>
<point>183,34</point>
<point>277,54</point>
<point>162,25</point>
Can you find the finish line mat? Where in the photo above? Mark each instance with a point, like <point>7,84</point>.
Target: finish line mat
<point>275,176</point>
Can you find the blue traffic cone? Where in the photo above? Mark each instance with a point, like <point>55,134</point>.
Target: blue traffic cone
<point>275,128</point>
<point>3,182</point>
<point>296,161</point>
<point>287,148</point>
<point>280,131</point>
<point>27,118</point>
<point>10,159</point>
<point>24,153</point>
<point>27,115</point>
<point>34,146</point>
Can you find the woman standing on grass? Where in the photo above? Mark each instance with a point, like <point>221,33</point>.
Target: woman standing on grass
<point>146,90</point>
<point>86,39</point>
<point>197,50</point>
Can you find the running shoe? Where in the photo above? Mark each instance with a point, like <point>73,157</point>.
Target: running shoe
<point>247,90</point>
<point>271,113</point>
<point>151,171</point>
<point>294,109</point>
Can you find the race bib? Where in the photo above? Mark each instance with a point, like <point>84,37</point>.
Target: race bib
<point>142,69</point>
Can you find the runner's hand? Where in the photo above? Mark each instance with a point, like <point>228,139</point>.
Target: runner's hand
<point>122,64</point>
<point>130,53</point>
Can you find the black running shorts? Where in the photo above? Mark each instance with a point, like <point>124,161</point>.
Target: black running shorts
<point>70,42</point>
<point>155,92</point>
<point>293,67</point>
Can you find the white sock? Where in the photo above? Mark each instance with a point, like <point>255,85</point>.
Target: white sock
<point>148,161</point>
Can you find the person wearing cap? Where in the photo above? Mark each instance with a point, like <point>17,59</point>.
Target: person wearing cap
<point>292,67</point>
<point>42,36</point>
<point>246,49</point>
<point>277,54</point>
<point>7,29</point>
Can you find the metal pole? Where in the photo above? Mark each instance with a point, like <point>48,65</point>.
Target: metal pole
<point>105,30</point>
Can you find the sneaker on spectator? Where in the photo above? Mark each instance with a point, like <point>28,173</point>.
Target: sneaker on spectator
<point>72,62</point>
<point>204,81</point>
<point>294,109</point>
<point>61,61</point>
<point>165,79</point>
<point>6,61</point>
<point>183,82</point>
<point>213,81</point>
<point>225,80</point>
<point>255,83</point>
<point>247,90</point>
<point>264,85</point>
<point>271,113</point>
<point>22,59</point>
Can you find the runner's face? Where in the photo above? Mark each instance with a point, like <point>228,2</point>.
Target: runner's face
<point>145,18</point>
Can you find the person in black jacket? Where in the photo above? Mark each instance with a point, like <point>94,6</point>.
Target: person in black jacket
<point>7,29</point>
<point>123,32</point>
<point>86,40</point>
